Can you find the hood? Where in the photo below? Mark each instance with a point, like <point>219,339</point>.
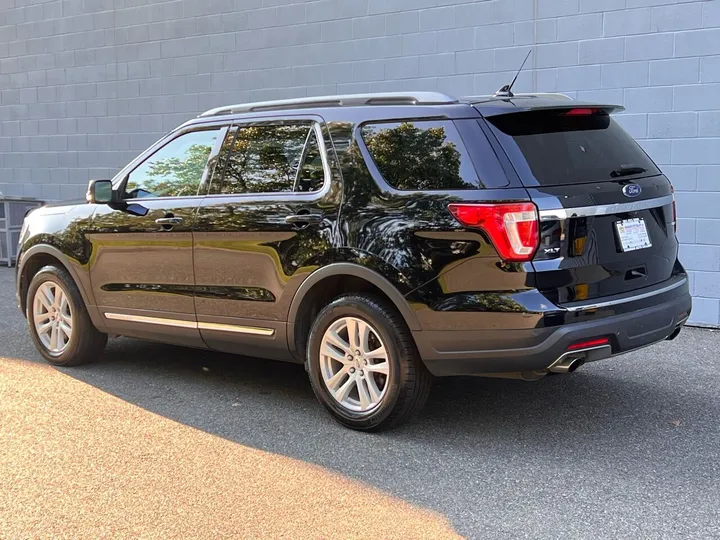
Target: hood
<point>58,207</point>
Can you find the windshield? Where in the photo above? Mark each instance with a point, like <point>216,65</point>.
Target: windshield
<point>561,147</point>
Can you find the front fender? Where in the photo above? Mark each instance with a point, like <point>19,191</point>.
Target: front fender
<point>77,271</point>
<point>57,233</point>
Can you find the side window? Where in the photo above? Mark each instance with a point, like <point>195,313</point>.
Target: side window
<point>272,158</point>
<point>311,174</point>
<point>420,155</point>
<point>176,169</point>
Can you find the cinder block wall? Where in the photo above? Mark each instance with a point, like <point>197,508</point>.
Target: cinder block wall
<point>87,84</point>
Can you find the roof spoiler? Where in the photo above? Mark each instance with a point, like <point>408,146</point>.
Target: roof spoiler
<point>549,105</point>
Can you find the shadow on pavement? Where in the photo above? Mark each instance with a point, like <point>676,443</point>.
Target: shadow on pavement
<point>475,434</point>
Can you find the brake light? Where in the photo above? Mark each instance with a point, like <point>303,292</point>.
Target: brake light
<point>674,207</point>
<point>588,344</point>
<point>512,227</point>
<point>581,112</point>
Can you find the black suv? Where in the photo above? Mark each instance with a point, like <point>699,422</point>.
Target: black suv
<point>379,239</point>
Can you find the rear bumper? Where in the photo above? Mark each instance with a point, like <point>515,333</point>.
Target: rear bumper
<point>463,352</point>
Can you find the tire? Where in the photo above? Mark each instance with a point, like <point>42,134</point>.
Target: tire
<point>85,343</point>
<point>404,389</point>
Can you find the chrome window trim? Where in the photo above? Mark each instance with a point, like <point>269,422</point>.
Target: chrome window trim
<point>179,323</point>
<point>604,209</point>
<point>625,300</point>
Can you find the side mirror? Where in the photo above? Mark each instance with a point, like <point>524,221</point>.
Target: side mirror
<point>99,192</point>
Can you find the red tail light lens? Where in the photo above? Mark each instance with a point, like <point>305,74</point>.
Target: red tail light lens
<point>581,112</point>
<point>589,343</point>
<point>513,227</point>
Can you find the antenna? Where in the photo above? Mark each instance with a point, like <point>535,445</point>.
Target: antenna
<point>506,91</point>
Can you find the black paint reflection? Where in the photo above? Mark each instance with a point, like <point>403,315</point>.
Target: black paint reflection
<point>431,257</point>
<point>492,302</point>
<point>229,293</point>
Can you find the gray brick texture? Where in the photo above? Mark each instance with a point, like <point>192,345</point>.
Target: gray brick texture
<point>85,85</point>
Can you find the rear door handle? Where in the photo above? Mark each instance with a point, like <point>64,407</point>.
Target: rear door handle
<point>304,219</point>
<point>169,221</point>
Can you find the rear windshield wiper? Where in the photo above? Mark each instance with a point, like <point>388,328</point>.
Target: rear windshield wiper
<point>627,170</point>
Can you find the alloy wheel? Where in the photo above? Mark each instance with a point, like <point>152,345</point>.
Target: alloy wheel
<point>354,364</point>
<point>52,317</point>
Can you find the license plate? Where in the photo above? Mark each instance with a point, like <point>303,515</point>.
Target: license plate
<point>633,234</point>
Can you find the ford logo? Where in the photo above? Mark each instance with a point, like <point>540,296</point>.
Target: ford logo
<point>632,190</point>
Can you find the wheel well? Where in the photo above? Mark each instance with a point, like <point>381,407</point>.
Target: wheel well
<point>32,267</point>
<point>320,295</point>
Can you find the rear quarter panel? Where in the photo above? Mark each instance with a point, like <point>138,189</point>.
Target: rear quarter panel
<point>430,258</point>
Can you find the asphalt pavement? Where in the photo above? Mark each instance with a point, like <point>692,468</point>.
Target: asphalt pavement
<point>156,441</point>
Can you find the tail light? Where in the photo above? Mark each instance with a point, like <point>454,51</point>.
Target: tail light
<point>512,227</point>
<point>582,112</point>
<point>588,344</point>
<point>674,206</point>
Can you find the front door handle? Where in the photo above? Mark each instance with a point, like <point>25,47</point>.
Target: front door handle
<point>304,219</point>
<point>169,221</point>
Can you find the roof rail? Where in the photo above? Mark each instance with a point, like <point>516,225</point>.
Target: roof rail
<point>351,100</point>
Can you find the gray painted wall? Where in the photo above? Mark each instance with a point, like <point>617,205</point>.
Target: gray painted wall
<point>87,84</point>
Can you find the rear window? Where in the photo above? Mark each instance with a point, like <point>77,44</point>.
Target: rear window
<point>561,148</point>
<point>420,155</point>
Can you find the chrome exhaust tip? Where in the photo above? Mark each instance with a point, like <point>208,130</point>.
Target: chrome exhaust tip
<point>571,360</point>
<point>567,366</point>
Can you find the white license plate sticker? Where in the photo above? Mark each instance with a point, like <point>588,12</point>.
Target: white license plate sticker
<point>633,234</point>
